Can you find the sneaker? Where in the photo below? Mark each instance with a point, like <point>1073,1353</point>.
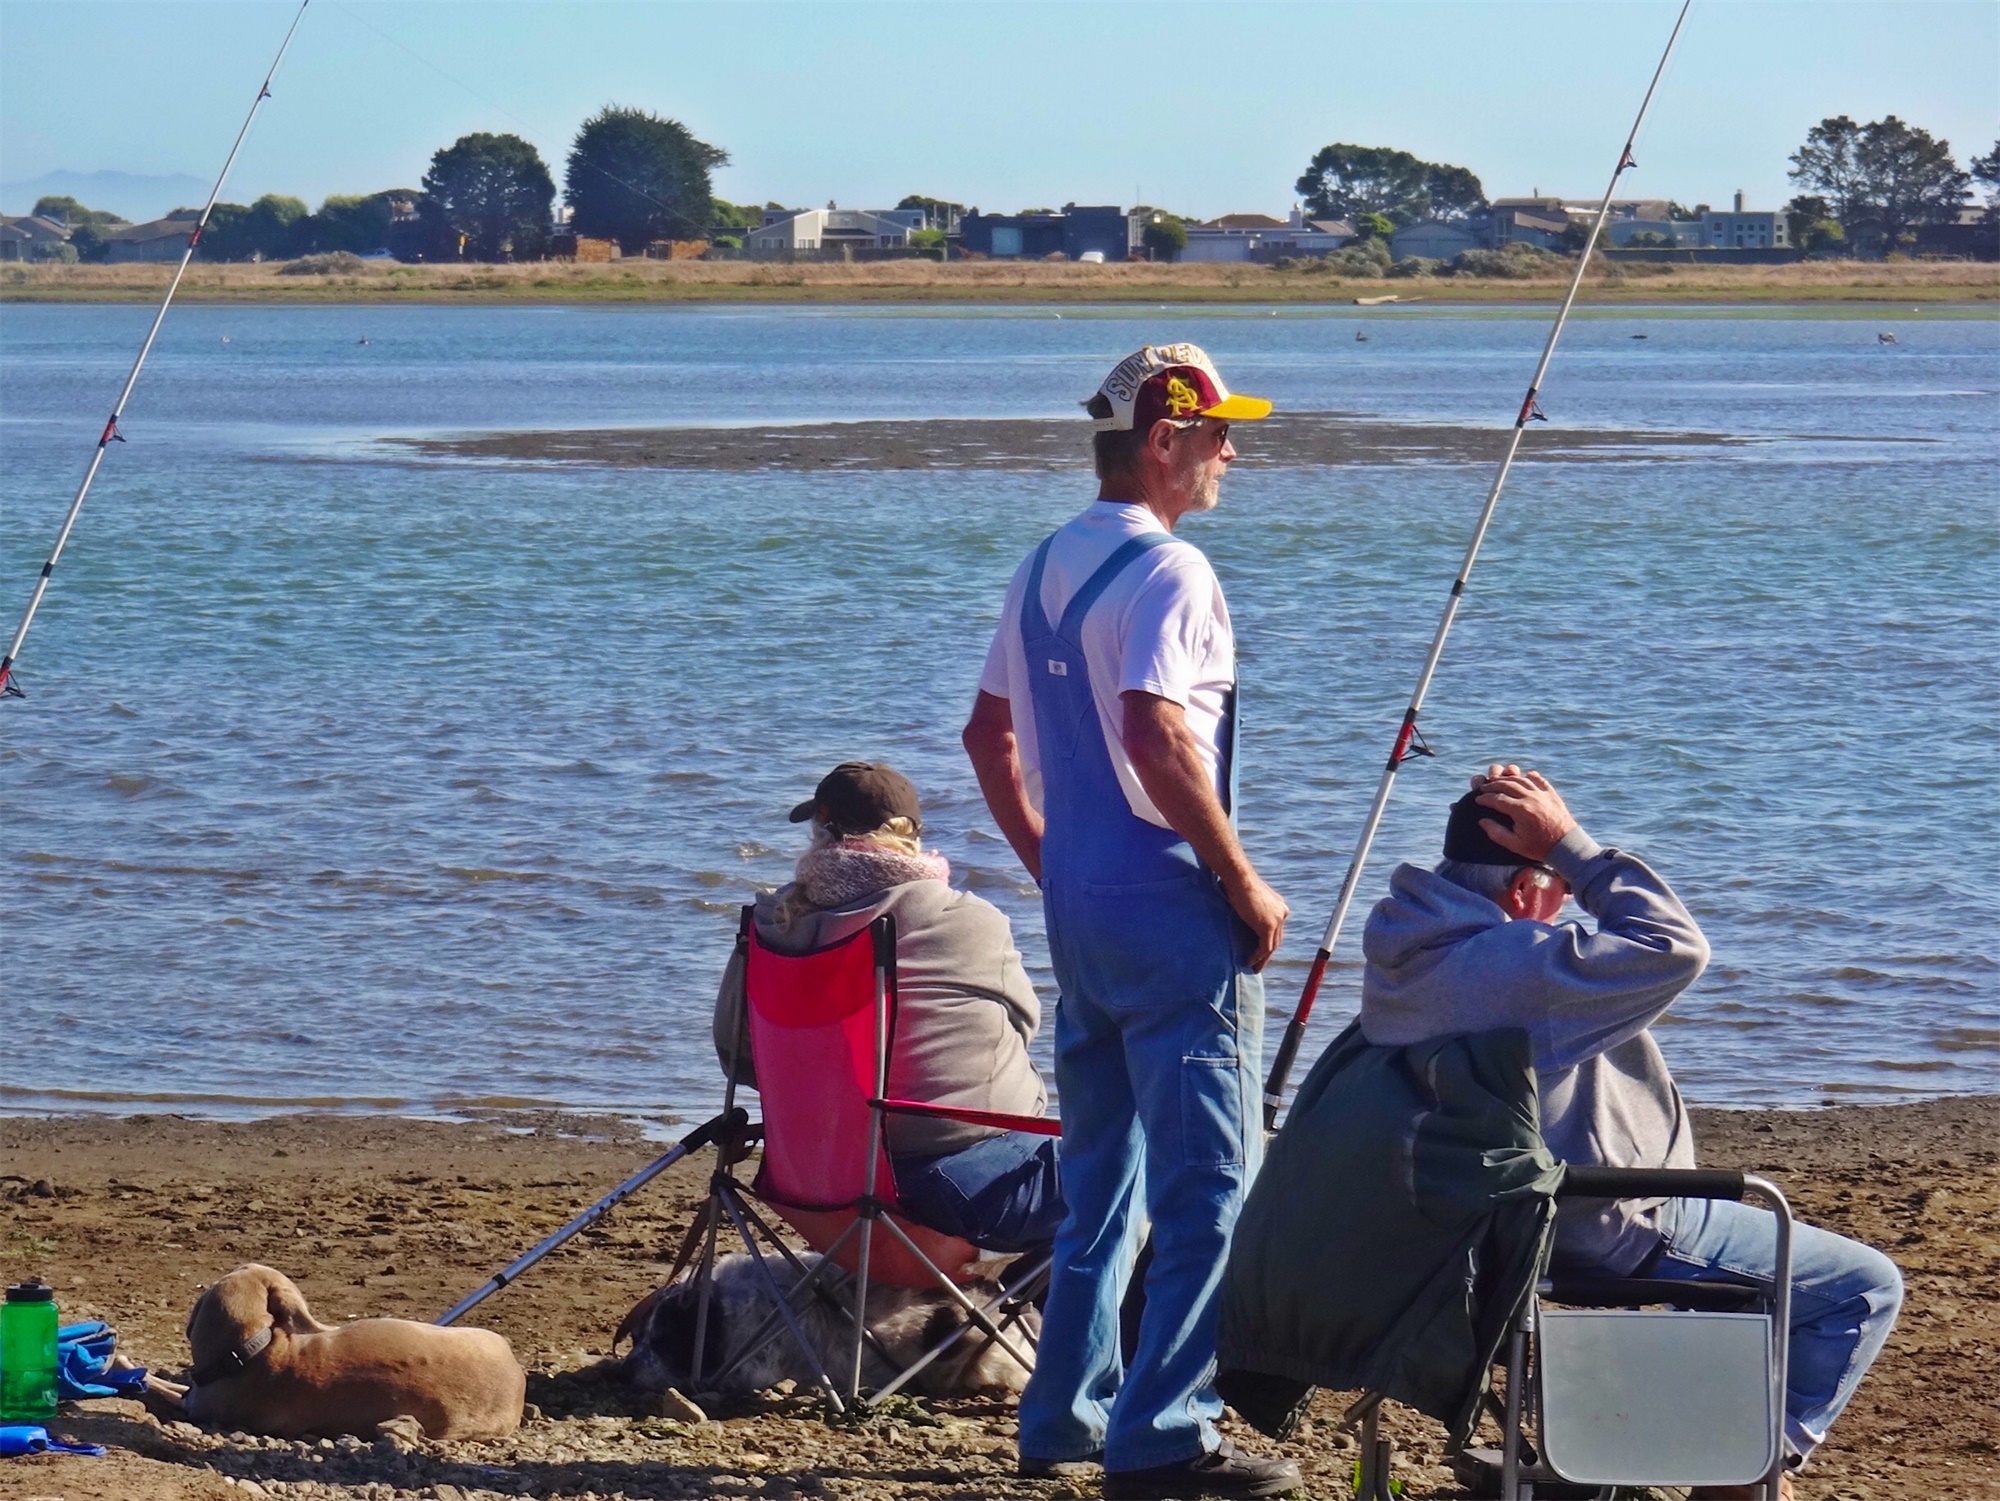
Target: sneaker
<point>1223,1472</point>
<point>1032,1467</point>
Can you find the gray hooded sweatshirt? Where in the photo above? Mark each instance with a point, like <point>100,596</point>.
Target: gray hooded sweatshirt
<point>965,1010</point>
<point>1443,960</point>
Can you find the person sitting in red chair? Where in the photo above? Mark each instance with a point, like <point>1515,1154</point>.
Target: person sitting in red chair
<point>965,1010</point>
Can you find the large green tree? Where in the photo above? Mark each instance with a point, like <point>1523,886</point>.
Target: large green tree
<point>1884,179</point>
<point>1986,172</point>
<point>494,191</point>
<point>1347,182</point>
<point>1455,192</point>
<point>66,210</point>
<point>356,222</point>
<point>635,178</point>
<point>274,228</point>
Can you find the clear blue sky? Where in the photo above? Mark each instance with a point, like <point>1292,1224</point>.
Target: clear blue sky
<point>1206,108</point>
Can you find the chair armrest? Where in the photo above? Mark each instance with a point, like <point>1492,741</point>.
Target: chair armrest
<point>1589,1182</point>
<point>1041,1125</point>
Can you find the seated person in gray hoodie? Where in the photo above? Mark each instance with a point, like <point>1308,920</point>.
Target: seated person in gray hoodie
<point>965,1010</point>
<point>1474,945</point>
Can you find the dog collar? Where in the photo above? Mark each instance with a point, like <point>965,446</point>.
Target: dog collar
<point>235,1360</point>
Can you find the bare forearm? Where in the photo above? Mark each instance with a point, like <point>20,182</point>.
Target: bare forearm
<point>995,753</point>
<point>1171,769</point>
<point>1168,760</point>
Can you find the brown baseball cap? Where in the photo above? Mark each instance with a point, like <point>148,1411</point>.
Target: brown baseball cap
<point>858,797</point>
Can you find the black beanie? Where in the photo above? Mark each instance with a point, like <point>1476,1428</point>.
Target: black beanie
<point>1465,840</point>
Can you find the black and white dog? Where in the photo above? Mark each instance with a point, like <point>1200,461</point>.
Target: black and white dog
<point>905,1321</point>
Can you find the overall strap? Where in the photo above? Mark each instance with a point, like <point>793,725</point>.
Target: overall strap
<point>1034,619</point>
<point>1098,582</point>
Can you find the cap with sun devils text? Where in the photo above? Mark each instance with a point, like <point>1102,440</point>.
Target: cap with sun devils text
<point>1177,381</point>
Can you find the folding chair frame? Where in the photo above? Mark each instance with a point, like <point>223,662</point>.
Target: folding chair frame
<point>729,1198</point>
<point>1521,1469</point>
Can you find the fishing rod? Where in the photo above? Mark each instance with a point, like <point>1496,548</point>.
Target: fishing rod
<point>1409,742</point>
<point>8,687</point>
<point>717,1128</point>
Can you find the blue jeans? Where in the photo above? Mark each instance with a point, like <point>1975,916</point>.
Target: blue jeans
<point>1002,1194</point>
<point>1844,1298</point>
<point>1158,1096</point>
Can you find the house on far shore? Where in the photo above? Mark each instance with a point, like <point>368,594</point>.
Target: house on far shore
<point>157,240</point>
<point>1259,237</point>
<point>30,237</point>
<point>789,231</point>
<point>1745,229</point>
<point>1072,232</point>
<point>1533,221</point>
<point>1973,234</point>
<point>1439,239</point>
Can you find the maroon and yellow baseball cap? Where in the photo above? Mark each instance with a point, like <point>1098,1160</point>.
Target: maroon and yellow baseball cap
<point>1178,381</point>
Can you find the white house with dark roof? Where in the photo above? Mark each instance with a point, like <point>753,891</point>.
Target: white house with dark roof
<point>830,228</point>
<point>1251,237</point>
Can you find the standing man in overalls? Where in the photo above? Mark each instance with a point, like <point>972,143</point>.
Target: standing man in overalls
<point>1103,737</point>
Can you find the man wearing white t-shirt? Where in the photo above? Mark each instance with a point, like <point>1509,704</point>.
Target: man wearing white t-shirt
<point>1104,737</point>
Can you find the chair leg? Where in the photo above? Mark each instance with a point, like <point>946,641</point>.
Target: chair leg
<point>867,1223</point>
<point>1377,1459</point>
<point>811,1278</point>
<point>784,1307</point>
<point>1510,1440</point>
<point>705,1276</point>
<point>957,1294</point>
<point>936,1351</point>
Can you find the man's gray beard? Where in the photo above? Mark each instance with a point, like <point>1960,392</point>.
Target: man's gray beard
<point>1208,495</point>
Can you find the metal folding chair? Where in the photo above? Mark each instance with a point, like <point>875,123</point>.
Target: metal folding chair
<point>1618,1382</point>
<point>821,1033</point>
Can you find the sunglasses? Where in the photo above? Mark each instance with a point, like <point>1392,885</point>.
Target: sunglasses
<point>1191,424</point>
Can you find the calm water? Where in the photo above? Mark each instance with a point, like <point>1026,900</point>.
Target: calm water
<point>386,785</point>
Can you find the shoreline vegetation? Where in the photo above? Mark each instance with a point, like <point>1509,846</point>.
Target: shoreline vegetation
<point>998,282</point>
<point>380,1216</point>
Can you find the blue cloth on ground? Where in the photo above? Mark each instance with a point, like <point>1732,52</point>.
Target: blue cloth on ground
<point>83,1364</point>
<point>32,1438</point>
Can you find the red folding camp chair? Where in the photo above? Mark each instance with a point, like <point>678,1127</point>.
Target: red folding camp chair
<point>821,1033</point>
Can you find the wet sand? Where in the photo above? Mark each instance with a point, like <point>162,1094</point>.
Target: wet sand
<point>1289,440</point>
<point>129,1218</point>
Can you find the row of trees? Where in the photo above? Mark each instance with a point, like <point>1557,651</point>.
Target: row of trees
<point>1872,187</point>
<point>630,176</point>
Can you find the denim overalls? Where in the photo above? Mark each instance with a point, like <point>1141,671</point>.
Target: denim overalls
<point>1158,1037</point>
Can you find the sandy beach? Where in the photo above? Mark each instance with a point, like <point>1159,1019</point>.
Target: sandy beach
<point>128,1218</point>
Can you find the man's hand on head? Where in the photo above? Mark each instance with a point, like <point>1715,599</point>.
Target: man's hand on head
<point>1539,815</point>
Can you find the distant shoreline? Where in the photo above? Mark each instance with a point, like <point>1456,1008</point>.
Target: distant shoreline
<point>1834,283</point>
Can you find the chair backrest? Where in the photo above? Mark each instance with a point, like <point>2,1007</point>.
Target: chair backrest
<point>812,1038</point>
<point>1632,1397</point>
<point>812,1026</point>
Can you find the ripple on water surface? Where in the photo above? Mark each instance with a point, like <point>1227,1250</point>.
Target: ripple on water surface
<point>287,836</point>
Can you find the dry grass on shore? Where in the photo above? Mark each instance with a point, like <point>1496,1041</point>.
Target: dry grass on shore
<point>994,281</point>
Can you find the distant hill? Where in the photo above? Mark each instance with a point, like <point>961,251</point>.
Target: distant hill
<point>128,194</point>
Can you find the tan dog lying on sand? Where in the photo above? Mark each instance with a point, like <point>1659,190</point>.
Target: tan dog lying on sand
<point>264,1364</point>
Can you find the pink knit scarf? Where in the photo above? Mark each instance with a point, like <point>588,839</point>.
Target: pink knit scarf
<point>836,874</point>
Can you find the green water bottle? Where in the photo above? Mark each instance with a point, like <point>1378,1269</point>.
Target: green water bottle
<point>28,1354</point>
